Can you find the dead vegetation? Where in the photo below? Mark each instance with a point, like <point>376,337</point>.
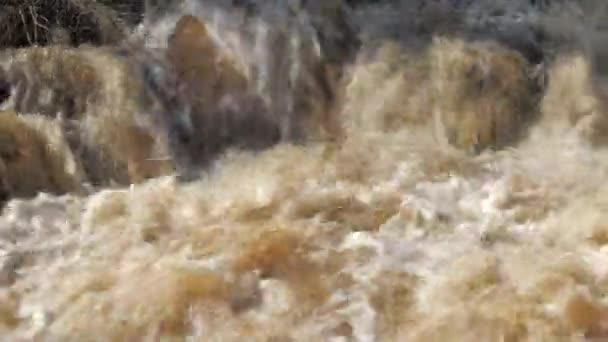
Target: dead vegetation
<point>42,22</point>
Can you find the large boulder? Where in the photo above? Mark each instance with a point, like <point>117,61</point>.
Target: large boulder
<point>485,96</point>
<point>100,98</point>
<point>34,157</point>
<point>472,96</point>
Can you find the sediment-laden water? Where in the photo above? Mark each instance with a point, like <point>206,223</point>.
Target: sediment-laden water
<point>310,171</point>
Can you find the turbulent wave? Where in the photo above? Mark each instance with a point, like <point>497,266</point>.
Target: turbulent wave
<point>310,171</point>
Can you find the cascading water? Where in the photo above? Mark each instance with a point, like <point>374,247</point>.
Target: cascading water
<point>310,171</point>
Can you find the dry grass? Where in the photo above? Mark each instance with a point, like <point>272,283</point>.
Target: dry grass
<point>37,22</point>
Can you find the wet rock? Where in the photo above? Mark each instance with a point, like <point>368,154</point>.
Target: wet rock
<point>8,268</point>
<point>485,96</point>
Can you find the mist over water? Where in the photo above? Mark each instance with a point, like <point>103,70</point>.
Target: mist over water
<point>310,171</point>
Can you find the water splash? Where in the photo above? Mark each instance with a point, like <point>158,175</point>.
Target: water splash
<point>337,192</point>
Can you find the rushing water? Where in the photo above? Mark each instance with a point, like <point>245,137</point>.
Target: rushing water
<point>282,171</point>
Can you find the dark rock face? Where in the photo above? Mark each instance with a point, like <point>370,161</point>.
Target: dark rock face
<point>519,36</point>
<point>241,123</point>
<point>5,87</point>
<point>330,21</point>
<point>205,108</point>
<point>241,117</point>
<point>130,12</point>
<point>198,135</point>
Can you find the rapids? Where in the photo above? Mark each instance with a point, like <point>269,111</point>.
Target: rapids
<point>310,171</point>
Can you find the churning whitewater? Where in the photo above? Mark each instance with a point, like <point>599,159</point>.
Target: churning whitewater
<point>308,171</point>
